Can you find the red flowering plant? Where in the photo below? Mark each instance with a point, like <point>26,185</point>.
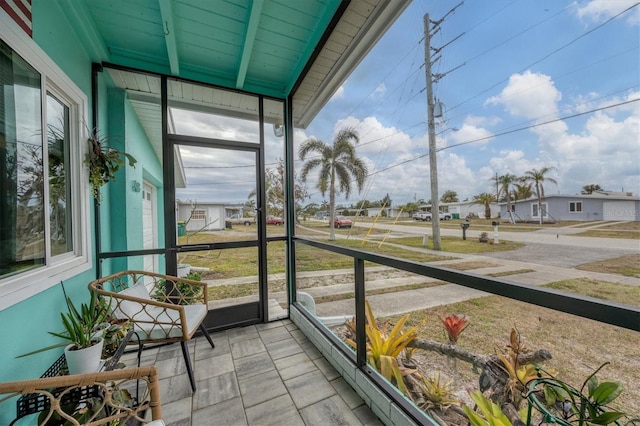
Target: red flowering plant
<point>454,326</point>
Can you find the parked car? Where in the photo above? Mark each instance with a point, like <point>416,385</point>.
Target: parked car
<point>342,222</point>
<point>272,220</point>
<point>236,219</point>
<point>422,216</point>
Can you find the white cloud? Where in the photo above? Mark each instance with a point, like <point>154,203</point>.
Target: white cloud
<point>601,10</point>
<point>380,91</point>
<point>470,131</point>
<point>375,138</point>
<point>529,95</point>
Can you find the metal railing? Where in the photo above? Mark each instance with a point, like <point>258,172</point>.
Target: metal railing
<point>612,313</point>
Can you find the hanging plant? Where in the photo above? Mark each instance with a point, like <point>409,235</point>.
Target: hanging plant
<point>103,162</point>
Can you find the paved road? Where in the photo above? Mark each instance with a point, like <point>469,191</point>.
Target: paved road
<point>558,238</point>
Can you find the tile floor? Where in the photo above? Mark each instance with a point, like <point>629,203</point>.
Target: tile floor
<point>267,374</point>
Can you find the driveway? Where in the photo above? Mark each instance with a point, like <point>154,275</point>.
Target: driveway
<point>558,255</point>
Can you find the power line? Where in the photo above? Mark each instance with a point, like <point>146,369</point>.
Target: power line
<point>597,27</point>
<point>506,133</point>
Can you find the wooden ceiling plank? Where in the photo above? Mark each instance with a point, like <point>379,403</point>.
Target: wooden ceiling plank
<point>249,39</point>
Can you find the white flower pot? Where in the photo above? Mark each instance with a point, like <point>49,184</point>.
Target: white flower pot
<point>84,360</point>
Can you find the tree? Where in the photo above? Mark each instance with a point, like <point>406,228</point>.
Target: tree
<point>337,164</point>
<point>522,191</point>
<point>485,199</point>
<point>274,189</point>
<point>504,189</point>
<point>449,196</point>
<point>386,201</point>
<point>590,189</point>
<point>410,208</point>
<point>537,177</point>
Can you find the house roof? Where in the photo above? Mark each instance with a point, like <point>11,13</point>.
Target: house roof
<point>275,48</point>
<point>605,196</point>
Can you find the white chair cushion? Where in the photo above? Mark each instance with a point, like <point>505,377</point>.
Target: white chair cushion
<point>144,321</point>
<point>127,308</point>
<point>156,423</point>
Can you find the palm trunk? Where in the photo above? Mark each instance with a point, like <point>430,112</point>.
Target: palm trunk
<point>539,203</point>
<point>332,209</point>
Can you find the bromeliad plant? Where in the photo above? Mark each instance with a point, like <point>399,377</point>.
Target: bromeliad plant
<point>518,373</point>
<point>384,346</point>
<point>454,325</point>
<point>490,413</point>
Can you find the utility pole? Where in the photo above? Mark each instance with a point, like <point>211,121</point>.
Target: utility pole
<point>433,164</point>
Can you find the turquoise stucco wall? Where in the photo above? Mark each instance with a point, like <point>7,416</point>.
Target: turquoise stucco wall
<point>125,204</point>
<point>24,326</point>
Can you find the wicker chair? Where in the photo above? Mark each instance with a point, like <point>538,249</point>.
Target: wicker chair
<point>163,308</point>
<point>68,397</point>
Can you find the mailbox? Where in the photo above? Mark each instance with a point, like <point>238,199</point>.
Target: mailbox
<point>464,226</point>
<point>495,223</point>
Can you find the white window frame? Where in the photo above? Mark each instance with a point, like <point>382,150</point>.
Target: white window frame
<point>201,214</point>
<point>543,206</point>
<point>19,287</point>
<point>577,206</point>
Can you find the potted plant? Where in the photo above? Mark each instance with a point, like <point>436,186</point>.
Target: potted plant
<point>83,346</point>
<point>103,162</point>
<point>484,237</point>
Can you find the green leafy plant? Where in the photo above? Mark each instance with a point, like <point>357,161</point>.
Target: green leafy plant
<point>186,291</point>
<point>570,406</point>
<point>79,324</point>
<point>484,237</point>
<point>384,346</point>
<point>103,162</point>
<point>490,413</point>
<point>454,325</point>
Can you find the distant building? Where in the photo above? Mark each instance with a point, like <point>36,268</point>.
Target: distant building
<point>614,206</point>
<point>462,209</point>
<point>206,216</point>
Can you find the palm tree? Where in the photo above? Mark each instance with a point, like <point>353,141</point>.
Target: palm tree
<point>590,189</point>
<point>485,199</point>
<point>537,177</point>
<point>522,191</point>
<point>505,181</point>
<point>338,163</point>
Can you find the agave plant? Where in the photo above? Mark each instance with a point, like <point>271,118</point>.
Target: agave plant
<point>454,325</point>
<point>384,346</point>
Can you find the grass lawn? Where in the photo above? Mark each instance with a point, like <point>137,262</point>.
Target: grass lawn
<point>628,266</point>
<point>458,245</point>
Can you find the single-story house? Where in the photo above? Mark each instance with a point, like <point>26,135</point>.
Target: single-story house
<point>463,209</point>
<point>614,206</point>
<point>387,212</point>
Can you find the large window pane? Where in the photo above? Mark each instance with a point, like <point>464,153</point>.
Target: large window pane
<point>22,223</point>
<point>59,183</point>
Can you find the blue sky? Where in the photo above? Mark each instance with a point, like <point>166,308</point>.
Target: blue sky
<point>526,62</point>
